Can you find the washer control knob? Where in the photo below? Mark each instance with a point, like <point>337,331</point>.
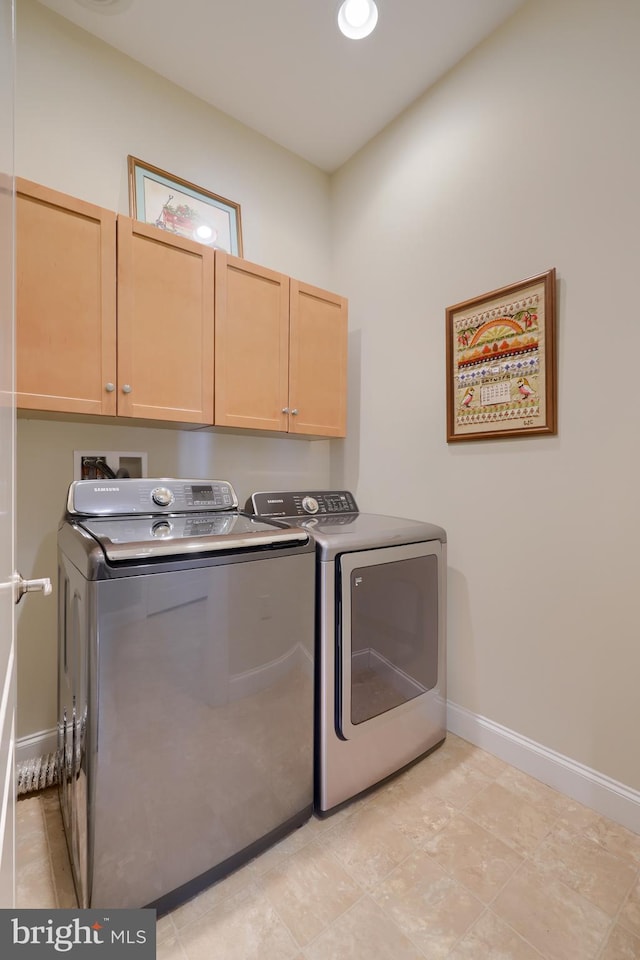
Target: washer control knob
<point>162,496</point>
<point>310,504</point>
<point>162,529</point>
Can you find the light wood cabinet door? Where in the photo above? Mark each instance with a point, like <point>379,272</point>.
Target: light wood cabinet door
<point>317,362</point>
<point>65,302</point>
<point>165,325</point>
<point>252,345</point>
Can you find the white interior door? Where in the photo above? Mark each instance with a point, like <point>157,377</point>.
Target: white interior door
<point>7,457</point>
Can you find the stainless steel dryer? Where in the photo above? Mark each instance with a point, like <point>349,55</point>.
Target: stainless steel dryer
<point>185,687</point>
<point>380,638</point>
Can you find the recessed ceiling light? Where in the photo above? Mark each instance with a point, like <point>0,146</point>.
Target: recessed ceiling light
<point>357,18</point>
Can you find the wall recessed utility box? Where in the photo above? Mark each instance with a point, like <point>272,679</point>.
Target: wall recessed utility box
<point>104,464</point>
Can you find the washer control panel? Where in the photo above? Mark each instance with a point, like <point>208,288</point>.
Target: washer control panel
<point>307,503</point>
<point>110,498</point>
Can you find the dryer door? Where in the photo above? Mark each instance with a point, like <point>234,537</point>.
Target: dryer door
<point>389,632</point>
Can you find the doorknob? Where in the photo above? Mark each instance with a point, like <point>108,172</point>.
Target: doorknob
<point>22,586</point>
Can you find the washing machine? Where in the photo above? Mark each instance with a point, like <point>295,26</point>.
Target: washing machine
<point>186,687</point>
<point>380,638</point>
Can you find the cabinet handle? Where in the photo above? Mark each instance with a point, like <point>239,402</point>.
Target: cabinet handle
<point>126,388</point>
<point>294,412</point>
<point>285,410</point>
<point>109,387</point>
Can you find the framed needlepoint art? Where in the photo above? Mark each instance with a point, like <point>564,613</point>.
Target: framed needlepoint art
<point>501,362</point>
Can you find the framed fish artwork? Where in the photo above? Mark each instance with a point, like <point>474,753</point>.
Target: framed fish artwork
<point>501,362</point>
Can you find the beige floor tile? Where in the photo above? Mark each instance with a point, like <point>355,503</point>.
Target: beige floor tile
<point>276,854</point>
<point>429,906</point>
<point>414,809</point>
<point>368,845</point>
<point>474,857</point>
<point>556,920</point>
<point>31,839</point>
<point>165,929</point>
<point>60,863</point>
<point>465,752</point>
<point>449,779</point>
<point>363,933</point>
<point>52,818</point>
<point>62,876</point>
<point>585,866</point>
<point>34,885</point>
<point>612,836</point>
<point>576,816</point>
<point>204,902</point>
<point>615,838</point>
<point>621,945</point>
<point>243,927</point>
<point>170,949</point>
<point>630,913</point>
<point>491,939</point>
<point>309,891</point>
<point>534,791</point>
<point>318,826</point>
<point>512,818</point>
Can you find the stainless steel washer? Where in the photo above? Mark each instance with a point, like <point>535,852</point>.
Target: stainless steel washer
<point>380,631</point>
<point>185,687</point>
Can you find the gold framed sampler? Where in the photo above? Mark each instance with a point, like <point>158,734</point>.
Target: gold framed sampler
<point>501,362</point>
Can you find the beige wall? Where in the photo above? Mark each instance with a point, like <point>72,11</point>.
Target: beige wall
<point>81,109</point>
<point>525,157</point>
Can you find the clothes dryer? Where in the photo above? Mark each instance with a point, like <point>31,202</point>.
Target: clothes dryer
<point>380,638</point>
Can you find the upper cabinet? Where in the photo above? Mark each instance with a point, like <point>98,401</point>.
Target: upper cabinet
<point>252,345</point>
<point>165,325</point>
<point>65,302</point>
<point>317,361</point>
<point>116,317</point>
<point>281,352</point>
<point>130,335</point>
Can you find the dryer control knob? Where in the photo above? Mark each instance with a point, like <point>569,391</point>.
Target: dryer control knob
<point>162,496</point>
<point>310,504</point>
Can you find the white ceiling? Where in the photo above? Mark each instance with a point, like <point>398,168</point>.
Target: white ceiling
<point>283,68</point>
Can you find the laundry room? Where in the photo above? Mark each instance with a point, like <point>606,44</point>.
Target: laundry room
<point>517,160</point>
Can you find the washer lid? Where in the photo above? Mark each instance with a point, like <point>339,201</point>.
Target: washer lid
<point>139,538</point>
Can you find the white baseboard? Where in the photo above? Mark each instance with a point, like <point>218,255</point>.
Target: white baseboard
<point>595,790</point>
<point>36,745</point>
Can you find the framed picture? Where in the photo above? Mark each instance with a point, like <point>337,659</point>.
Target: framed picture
<point>501,362</point>
<point>180,207</point>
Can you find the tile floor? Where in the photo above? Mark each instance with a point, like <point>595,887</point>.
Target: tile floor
<point>461,857</point>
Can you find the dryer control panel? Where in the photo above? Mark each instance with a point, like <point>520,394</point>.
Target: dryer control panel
<point>302,503</point>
